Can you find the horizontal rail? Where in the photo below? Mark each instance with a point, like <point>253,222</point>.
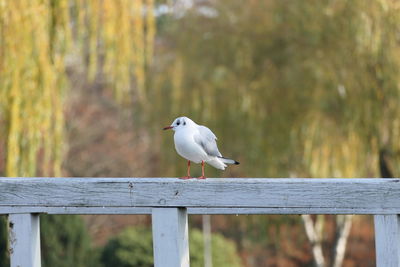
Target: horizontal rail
<point>193,211</point>
<point>169,200</point>
<point>210,196</point>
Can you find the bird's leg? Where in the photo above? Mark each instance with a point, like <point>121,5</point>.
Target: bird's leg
<point>202,171</point>
<point>189,169</point>
<point>188,172</point>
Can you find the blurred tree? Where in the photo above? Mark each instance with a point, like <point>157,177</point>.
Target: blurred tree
<point>224,252</point>
<point>284,70</point>
<point>65,242</point>
<point>32,81</point>
<point>304,88</point>
<point>4,257</point>
<point>36,38</point>
<point>133,248</point>
<point>39,40</point>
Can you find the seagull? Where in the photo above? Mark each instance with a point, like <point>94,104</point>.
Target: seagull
<point>197,143</point>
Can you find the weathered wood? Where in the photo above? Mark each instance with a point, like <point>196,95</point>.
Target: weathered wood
<point>387,240</point>
<point>193,210</point>
<point>170,237</point>
<point>170,199</point>
<point>284,196</point>
<point>24,240</point>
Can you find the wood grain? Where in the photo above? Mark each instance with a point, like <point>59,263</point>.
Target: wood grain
<point>212,196</point>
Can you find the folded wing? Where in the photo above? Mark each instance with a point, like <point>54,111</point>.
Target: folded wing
<point>207,140</point>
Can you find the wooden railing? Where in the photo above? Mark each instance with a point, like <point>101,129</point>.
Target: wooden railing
<point>169,200</point>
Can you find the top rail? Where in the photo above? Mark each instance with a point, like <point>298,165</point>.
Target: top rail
<point>210,196</point>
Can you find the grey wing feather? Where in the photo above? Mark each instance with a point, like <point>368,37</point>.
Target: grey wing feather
<point>206,139</point>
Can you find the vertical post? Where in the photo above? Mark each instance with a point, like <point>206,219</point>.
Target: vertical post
<point>387,240</point>
<point>24,240</point>
<point>170,237</point>
<point>207,240</point>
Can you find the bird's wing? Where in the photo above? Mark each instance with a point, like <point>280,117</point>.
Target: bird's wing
<point>207,140</point>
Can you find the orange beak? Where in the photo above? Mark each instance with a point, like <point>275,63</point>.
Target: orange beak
<point>168,127</point>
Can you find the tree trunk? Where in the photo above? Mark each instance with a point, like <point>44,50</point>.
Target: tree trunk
<point>314,239</point>
<point>342,233</point>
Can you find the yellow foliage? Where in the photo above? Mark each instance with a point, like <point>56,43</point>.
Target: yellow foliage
<point>332,153</point>
<point>35,37</point>
<point>124,30</point>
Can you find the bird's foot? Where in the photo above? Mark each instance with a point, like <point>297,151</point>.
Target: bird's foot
<point>186,177</point>
<point>201,177</point>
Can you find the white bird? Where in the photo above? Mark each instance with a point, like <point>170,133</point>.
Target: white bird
<point>197,143</point>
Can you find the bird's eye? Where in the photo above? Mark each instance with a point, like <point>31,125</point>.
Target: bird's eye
<point>178,122</point>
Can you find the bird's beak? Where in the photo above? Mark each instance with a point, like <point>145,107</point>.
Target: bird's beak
<point>168,127</point>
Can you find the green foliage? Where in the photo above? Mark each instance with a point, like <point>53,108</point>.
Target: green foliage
<point>4,259</point>
<point>307,88</point>
<point>133,248</point>
<point>224,252</point>
<point>65,242</point>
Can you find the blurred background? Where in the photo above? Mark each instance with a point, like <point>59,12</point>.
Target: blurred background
<point>291,88</point>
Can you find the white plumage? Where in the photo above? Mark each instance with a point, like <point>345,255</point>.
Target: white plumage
<point>197,143</point>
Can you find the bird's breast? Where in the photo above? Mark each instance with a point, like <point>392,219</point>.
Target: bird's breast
<point>188,148</point>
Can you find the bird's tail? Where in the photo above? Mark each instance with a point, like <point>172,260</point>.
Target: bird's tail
<point>220,162</point>
<point>228,161</point>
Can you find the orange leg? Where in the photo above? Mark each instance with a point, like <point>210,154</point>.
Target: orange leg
<point>188,172</point>
<point>202,171</point>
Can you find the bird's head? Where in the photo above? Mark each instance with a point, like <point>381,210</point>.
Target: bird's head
<point>180,123</point>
